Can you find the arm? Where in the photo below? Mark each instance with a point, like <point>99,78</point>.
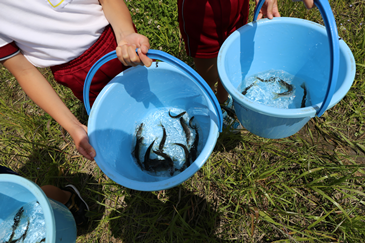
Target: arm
<point>42,93</point>
<point>117,13</point>
<point>308,3</point>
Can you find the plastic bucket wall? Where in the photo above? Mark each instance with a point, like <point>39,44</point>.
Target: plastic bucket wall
<point>16,191</point>
<point>123,104</point>
<point>296,46</point>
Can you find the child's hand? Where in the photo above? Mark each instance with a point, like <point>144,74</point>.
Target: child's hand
<point>126,50</point>
<point>81,140</point>
<point>269,9</point>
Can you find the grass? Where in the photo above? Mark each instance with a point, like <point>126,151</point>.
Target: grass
<point>308,187</point>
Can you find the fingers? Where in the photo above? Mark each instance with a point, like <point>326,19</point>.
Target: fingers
<point>309,4</point>
<point>269,8</point>
<point>260,15</point>
<point>127,55</point>
<point>126,50</point>
<point>144,58</point>
<point>86,149</point>
<point>81,140</point>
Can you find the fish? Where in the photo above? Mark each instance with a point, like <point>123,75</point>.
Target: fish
<point>187,156</point>
<point>16,224</point>
<point>168,159</point>
<point>163,140</point>
<point>43,240</point>
<point>177,116</point>
<point>186,130</point>
<point>159,164</point>
<point>289,87</point>
<point>25,233</point>
<point>304,95</point>
<point>194,147</point>
<point>147,156</point>
<point>137,148</point>
<point>270,80</point>
<point>139,130</point>
<point>244,92</point>
<point>191,122</point>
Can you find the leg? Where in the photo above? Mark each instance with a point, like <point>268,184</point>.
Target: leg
<point>56,193</point>
<point>207,68</point>
<point>71,198</point>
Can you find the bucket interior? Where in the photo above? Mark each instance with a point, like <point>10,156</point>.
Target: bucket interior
<point>126,101</point>
<point>16,192</point>
<point>298,47</point>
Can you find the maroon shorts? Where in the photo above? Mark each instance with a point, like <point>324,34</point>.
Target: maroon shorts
<point>205,24</point>
<point>73,73</point>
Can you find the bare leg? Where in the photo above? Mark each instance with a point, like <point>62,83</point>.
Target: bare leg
<point>207,68</point>
<point>56,193</point>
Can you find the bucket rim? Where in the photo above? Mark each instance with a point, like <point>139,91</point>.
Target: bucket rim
<point>309,111</point>
<point>41,198</point>
<point>167,58</point>
<point>165,183</point>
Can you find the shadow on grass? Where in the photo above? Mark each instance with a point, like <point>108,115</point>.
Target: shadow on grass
<point>45,168</point>
<point>229,140</point>
<point>174,215</point>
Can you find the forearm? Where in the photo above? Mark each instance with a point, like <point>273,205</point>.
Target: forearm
<point>40,91</point>
<point>117,13</point>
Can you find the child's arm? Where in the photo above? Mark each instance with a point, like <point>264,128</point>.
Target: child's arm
<point>42,93</point>
<point>308,3</point>
<point>117,13</point>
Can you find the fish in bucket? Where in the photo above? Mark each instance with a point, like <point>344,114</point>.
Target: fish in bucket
<point>310,67</point>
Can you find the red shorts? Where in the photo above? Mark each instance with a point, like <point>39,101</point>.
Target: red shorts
<point>73,73</point>
<point>205,24</point>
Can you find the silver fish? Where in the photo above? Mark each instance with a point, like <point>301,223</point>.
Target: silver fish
<point>304,95</point>
<point>289,87</point>
<point>186,130</point>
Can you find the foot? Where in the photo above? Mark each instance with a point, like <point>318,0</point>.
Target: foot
<point>77,206</point>
<point>229,115</point>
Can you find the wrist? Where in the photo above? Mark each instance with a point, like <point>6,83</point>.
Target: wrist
<point>72,126</point>
<point>120,34</point>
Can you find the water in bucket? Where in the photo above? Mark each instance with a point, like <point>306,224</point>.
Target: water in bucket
<point>26,224</point>
<point>164,128</point>
<point>276,88</point>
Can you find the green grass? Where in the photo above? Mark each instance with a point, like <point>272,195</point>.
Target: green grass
<point>308,187</point>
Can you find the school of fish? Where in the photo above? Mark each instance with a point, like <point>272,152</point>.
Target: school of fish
<point>289,87</point>
<point>167,163</point>
<point>17,219</point>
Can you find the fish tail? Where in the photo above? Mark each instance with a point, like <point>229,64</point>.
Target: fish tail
<point>276,95</point>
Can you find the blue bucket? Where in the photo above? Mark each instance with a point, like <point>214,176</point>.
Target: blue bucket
<point>131,97</point>
<point>302,48</point>
<point>17,191</point>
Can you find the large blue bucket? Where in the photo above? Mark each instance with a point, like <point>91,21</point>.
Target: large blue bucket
<point>304,49</point>
<point>16,191</point>
<point>135,94</point>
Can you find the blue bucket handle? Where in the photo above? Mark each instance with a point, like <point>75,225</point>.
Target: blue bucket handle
<point>163,56</point>
<point>330,23</point>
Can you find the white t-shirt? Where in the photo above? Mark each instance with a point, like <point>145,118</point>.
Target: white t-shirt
<point>51,32</point>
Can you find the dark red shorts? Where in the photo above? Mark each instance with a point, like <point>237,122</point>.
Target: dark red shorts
<point>205,24</point>
<point>73,73</point>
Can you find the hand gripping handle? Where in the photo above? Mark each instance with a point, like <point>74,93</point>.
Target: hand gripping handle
<point>163,56</point>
